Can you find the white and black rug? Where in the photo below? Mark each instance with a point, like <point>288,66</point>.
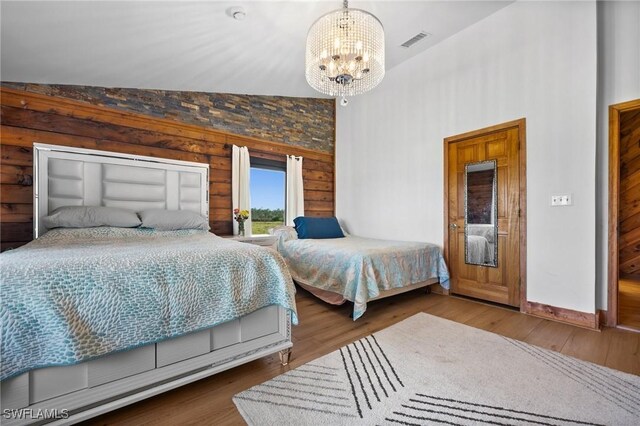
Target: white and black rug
<point>428,370</point>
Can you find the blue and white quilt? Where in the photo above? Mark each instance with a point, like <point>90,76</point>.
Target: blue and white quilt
<point>359,268</point>
<point>77,294</point>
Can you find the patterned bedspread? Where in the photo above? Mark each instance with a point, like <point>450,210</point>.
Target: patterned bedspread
<point>359,268</point>
<point>76,294</point>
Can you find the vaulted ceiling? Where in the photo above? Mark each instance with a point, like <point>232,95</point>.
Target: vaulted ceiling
<point>197,46</point>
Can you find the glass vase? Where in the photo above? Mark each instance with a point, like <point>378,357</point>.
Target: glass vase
<point>241,229</point>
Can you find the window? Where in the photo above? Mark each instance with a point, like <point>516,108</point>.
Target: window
<point>268,182</point>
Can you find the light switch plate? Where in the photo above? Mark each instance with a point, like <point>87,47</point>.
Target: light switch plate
<point>561,200</point>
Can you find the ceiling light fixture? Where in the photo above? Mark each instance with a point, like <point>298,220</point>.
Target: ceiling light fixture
<point>345,53</point>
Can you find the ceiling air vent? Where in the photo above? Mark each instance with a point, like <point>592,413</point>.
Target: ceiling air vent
<point>416,38</point>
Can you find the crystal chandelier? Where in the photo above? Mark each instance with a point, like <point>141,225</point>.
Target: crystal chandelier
<point>345,53</point>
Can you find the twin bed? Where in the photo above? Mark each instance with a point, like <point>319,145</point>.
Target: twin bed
<point>360,270</point>
<point>97,318</point>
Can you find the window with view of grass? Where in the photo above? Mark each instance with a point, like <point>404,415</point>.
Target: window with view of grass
<point>268,180</point>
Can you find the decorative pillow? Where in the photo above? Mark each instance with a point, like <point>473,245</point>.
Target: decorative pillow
<point>318,227</point>
<point>284,233</point>
<point>172,220</point>
<point>90,217</point>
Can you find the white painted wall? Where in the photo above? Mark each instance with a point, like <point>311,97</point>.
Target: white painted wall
<point>618,81</point>
<point>531,59</point>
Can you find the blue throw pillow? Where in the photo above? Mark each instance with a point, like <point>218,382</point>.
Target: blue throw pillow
<point>317,227</point>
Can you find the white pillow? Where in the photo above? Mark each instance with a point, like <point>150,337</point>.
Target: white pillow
<point>284,233</point>
<point>173,220</point>
<point>346,234</point>
<point>90,217</point>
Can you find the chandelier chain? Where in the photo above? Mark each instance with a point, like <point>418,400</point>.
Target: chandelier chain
<point>345,4</point>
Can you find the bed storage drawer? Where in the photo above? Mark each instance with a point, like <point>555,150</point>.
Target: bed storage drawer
<point>259,323</point>
<point>184,347</point>
<point>14,393</point>
<point>121,364</point>
<point>49,382</point>
<point>225,334</point>
<point>45,383</point>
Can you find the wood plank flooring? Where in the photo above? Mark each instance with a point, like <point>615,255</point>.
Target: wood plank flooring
<point>324,328</point>
<point>629,303</point>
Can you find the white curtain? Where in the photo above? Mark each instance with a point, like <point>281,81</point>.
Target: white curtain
<point>240,194</point>
<point>295,189</point>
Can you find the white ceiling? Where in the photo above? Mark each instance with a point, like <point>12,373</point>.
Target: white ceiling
<point>196,46</point>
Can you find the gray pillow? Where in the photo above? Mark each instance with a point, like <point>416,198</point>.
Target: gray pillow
<point>172,220</point>
<point>90,217</point>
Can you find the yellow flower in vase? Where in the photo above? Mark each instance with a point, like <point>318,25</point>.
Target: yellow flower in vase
<point>241,216</point>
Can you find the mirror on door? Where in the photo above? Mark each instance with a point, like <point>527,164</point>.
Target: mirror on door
<point>481,214</point>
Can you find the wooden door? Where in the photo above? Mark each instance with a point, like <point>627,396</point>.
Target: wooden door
<point>629,220</point>
<point>499,284</point>
<point>629,196</point>
<point>624,147</point>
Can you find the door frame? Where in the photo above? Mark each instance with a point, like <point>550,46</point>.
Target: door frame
<point>613,273</point>
<point>520,124</point>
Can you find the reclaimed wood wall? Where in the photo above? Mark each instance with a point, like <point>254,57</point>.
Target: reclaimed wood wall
<point>28,117</point>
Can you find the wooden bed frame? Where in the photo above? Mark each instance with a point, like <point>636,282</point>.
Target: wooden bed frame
<point>70,394</point>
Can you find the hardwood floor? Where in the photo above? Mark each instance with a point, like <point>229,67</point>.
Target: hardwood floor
<point>324,328</point>
<point>629,303</point>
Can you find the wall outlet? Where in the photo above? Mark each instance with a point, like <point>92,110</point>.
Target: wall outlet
<point>561,200</point>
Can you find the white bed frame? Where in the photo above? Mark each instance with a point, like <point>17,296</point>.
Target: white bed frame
<point>72,176</point>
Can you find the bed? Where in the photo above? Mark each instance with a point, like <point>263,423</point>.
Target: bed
<point>480,244</point>
<point>358,269</point>
<point>97,318</point>
<point>478,250</point>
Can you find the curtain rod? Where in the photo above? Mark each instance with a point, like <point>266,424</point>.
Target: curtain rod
<point>275,154</point>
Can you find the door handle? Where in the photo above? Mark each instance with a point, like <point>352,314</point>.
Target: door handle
<point>453,226</point>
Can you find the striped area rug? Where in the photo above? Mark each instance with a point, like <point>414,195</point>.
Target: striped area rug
<point>427,370</point>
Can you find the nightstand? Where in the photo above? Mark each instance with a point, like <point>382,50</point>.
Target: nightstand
<point>263,240</point>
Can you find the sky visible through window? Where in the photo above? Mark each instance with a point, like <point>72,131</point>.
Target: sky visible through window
<point>267,199</point>
<point>267,189</point>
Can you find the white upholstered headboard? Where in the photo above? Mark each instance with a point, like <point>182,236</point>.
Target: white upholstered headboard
<point>67,176</point>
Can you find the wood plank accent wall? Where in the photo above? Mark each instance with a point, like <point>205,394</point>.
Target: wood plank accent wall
<point>28,117</point>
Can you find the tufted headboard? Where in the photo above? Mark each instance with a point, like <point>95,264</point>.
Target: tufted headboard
<point>66,176</point>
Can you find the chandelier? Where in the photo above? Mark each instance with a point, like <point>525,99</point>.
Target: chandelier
<point>345,53</point>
